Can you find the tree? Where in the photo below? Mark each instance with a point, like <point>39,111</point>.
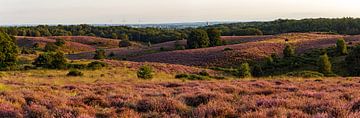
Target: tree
<point>145,72</point>
<point>52,60</point>
<point>124,43</point>
<point>353,62</point>
<point>198,39</point>
<point>51,47</point>
<point>114,36</point>
<point>124,37</point>
<point>341,47</point>
<point>214,37</point>
<point>100,54</point>
<point>324,64</point>
<point>37,34</point>
<point>60,42</point>
<point>289,51</point>
<point>8,51</point>
<point>244,70</point>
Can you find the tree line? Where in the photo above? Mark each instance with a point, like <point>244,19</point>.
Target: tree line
<point>348,25</point>
<point>153,35</point>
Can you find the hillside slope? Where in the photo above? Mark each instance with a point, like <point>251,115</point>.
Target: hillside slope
<point>238,53</point>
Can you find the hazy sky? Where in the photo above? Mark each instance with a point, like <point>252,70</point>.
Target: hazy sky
<point>165,11</point>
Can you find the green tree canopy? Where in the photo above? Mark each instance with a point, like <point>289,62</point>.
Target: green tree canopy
<point>353,62</point>
<point>325,64</point>
<point>341,47</point>
<point>214,37</point>
<point>52,60</point>
<point>198,39</point>
<point>8,51</point>
<point>244,70</point>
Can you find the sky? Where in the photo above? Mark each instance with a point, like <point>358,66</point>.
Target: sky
<point>168,11</point>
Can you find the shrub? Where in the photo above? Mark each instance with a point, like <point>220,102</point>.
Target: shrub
<point>244,70</point>
<point>52,60</point>
<point>341,47</point>
<point>51,47</point>
<point>196,100</point>
<point>214,37</point>
<point>192,77</point>
<point>197,77</point>
<point>100,54</point>
<point>227,49</point>
<point>305,74</point>
<point>27,51</point>
<point>60,42</point>
<point>76,66</point>
<point>111,55</point>
<point>145,72</point>
<point>353,62</point>
<point>178,46</point>
<point>8,111</point>
<point>8,51</point>
<point>324,64</point>
<point>125,43</point>
<point>181,76</point>
<point>204,73</point>
<point>75,73</point>
<point>289,51</point>
<point>96,65</point>
<point>198,39</point>
<point>36,46</point>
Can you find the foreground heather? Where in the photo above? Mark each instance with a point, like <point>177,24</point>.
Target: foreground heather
<point>233,98</point>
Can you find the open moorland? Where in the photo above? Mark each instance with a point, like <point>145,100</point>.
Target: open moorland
<point>254,70</point>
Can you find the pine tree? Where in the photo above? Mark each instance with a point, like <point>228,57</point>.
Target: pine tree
<point>244,70</point>
<point>289,51</point>
<point>9,51</point>
<point>341,47</point>
<point>324,64</point>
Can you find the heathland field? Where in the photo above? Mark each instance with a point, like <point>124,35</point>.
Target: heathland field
<point>220,71</point>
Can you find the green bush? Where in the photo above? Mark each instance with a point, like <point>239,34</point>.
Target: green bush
<point>52,60</point>
<point>198,39</point>
<point>8,51</point>
<point>214,37</point>
<point>60,42</point>
<point>51,47</point>
<point>324,64</point>
<point>145,72</point>
<point>305,74</point>
<point>353,62</point>
<point>75,73</point>
<point>204,73</point>
<point>181,76</point>
<point>124,43</point>
<point>100,54</point>
<point>27,51</point>
<point>244,70</point>
<point>289,51</point>
<point>192,77</point>
<point>227,49</point>
<point>341,47</point>
<point>96,65</point>
<point>76,66</point>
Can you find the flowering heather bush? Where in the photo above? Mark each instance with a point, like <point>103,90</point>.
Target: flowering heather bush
<point>293,97</point>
